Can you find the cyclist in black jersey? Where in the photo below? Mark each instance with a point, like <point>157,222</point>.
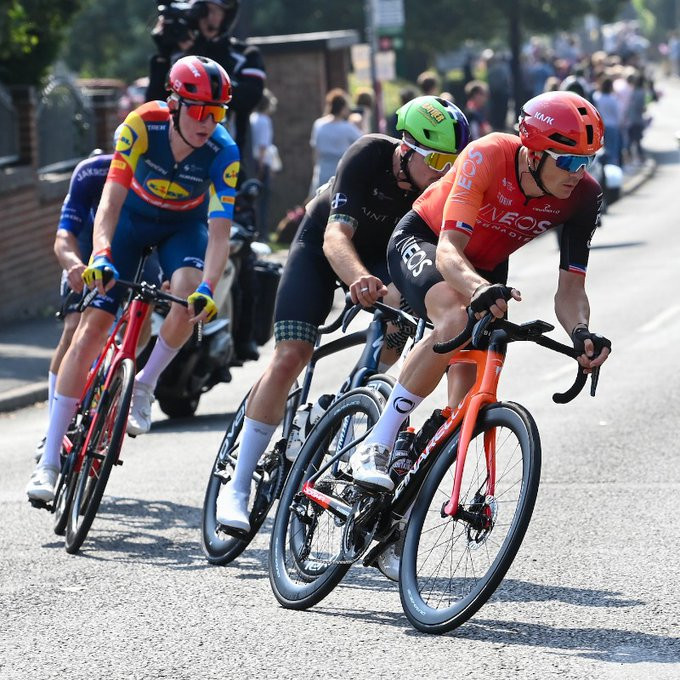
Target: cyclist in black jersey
<point>343,235</point>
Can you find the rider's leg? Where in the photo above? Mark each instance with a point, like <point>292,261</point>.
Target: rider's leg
<point>85,346</point>
<point>174,332</point>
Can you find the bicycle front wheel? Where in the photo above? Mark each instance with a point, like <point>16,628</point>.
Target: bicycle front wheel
<point>451,566</point>
<point>106,438</point>
<point>306,554</point>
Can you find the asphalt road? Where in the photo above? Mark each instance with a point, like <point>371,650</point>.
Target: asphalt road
<point>592,593</point>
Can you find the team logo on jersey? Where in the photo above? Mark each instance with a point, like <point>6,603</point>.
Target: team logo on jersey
<point>507,184</point>
<point>163,188</point>
<point>126,140</point>
<point>230,175</point>
<point>338,200</point>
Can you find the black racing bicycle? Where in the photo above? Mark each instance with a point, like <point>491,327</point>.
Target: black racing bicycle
<point>222,544</point>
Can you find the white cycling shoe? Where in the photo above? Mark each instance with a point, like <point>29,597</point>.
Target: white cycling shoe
<point>369,466</point>
<point>232,509</point>
<point>139,420</point>
<point>42,483</point>
<point>389,559</point>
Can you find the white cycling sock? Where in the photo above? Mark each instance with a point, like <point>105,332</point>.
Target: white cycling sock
<point>63,410</point>
<point>161,355</point>
<point>254,441</point>
<point>51,382</point>
<point>400,405</point>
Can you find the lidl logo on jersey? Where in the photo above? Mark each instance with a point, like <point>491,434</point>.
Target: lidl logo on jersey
<point>126,140</point>
<point>230,176</point>
<point>433,114</point>
<point>163,188</point>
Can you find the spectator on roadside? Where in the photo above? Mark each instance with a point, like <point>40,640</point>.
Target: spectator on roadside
<point>264,155</point>
<point>636,118</point>
<point>332,135</point>
<point>405,95</point>
<point>500,84</point>
<point>552,84</point>
<point>213,39</point>
<point>610,109</point>
<point>477,97</point>
<point>428,83</point>
<point>364,101</point>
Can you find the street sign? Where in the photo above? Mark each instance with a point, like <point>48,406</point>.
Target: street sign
<point>388,14</point>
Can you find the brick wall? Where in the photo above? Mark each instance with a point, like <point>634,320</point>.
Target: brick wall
<point>30,206</point>
<point>300,70</point>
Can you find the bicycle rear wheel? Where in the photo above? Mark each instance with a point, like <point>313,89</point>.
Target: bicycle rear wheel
<point>219,547</point>
<point>306,553</point>
<point>450,567</point>
<point>106,438</point>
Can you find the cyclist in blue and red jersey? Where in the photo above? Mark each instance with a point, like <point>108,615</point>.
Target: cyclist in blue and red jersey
<point>171,184</point>
<point>452,249</point>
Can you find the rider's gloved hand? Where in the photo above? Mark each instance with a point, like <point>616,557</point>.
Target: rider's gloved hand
<point>593,348</point>
<point>492,297</point>
<point>94,272</point>
<point>201,300</point>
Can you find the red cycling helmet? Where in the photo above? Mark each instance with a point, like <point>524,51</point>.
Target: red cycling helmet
<point>562,121</point>
<point>200,79</point>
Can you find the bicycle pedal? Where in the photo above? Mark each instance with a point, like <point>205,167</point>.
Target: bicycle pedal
<point>41,505</point>
<point>233,532</point>
<point>118,462</point>
<point>132,436</point>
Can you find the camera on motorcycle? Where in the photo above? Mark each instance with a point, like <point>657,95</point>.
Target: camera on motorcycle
<point>179,22</point>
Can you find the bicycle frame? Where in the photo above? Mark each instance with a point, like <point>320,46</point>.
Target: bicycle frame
<point>133,317</point>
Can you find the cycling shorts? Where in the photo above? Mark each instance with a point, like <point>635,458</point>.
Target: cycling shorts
<point>305,295</point>
<point>178,245</point>
<point>70,299</point>
<point>411,262</point>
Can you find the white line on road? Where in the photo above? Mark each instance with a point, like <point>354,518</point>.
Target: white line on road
<point>659,320</point>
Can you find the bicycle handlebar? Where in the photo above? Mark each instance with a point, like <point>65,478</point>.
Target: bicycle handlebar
<point>392,313</point>
<point>531,331</point>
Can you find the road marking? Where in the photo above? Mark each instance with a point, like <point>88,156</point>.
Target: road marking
<point>659,320</point>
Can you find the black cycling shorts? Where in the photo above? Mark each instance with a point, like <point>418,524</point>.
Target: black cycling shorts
<point>411,262</point>
<point>305,295</point>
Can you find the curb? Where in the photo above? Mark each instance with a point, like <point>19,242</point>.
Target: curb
<point>26,395</point>
<point>648,169</point>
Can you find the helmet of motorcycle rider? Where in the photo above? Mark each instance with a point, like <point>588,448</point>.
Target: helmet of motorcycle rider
<point>199,79</point>
<point>561,121</point>
<point>230,7</point>
<point>435,123</point>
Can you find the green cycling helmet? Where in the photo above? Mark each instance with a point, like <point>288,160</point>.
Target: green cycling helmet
<point>434,122</point>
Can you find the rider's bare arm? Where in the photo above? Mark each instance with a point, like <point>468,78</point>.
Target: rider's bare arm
<point>343,257</point>
<point>454,266</point>
<point>571,301</point>
<point>217,250</point>
<point>68,255</point>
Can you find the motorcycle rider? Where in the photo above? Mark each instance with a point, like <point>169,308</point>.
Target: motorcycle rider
<point>344,234</point>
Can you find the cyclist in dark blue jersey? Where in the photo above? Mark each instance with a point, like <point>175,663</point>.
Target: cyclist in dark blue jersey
<point>171,184</point>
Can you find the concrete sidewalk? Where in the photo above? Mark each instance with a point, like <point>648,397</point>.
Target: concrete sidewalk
<point>26,347</point>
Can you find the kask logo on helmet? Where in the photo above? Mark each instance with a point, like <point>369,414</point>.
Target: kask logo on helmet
<point>544,118</point>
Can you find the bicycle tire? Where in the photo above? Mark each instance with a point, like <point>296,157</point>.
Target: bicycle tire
<point>219,547</point>
<point>299,582</point>
<point>382,383</point>
<point>76,432</point>
<point>486,554</point>
<point>108,430</point>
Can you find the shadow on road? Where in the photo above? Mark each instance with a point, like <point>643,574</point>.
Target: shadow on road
<point>622,244</point>
<point>135,531</point>
<point>209,422</point>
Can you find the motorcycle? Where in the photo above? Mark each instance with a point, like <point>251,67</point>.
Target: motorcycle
<point>245,300</point>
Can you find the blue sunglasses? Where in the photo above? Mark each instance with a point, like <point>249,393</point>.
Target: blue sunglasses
<point>571,162</point>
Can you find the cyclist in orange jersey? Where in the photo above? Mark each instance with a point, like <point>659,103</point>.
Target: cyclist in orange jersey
<point>452,249</point>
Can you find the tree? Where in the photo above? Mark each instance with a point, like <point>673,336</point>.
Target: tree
<point>31,32</point>
<point>112,39</point>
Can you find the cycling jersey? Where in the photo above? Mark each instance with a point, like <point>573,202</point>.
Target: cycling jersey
<point>80,204</point>
<point>481,197</point>
<point>201,185</point>
<point>365,196</point>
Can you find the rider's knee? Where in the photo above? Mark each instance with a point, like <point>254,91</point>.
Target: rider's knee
<point>290,357</point>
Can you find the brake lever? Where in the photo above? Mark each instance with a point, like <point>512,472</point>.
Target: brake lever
<point>594,379</point>
<point>349,316</point>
